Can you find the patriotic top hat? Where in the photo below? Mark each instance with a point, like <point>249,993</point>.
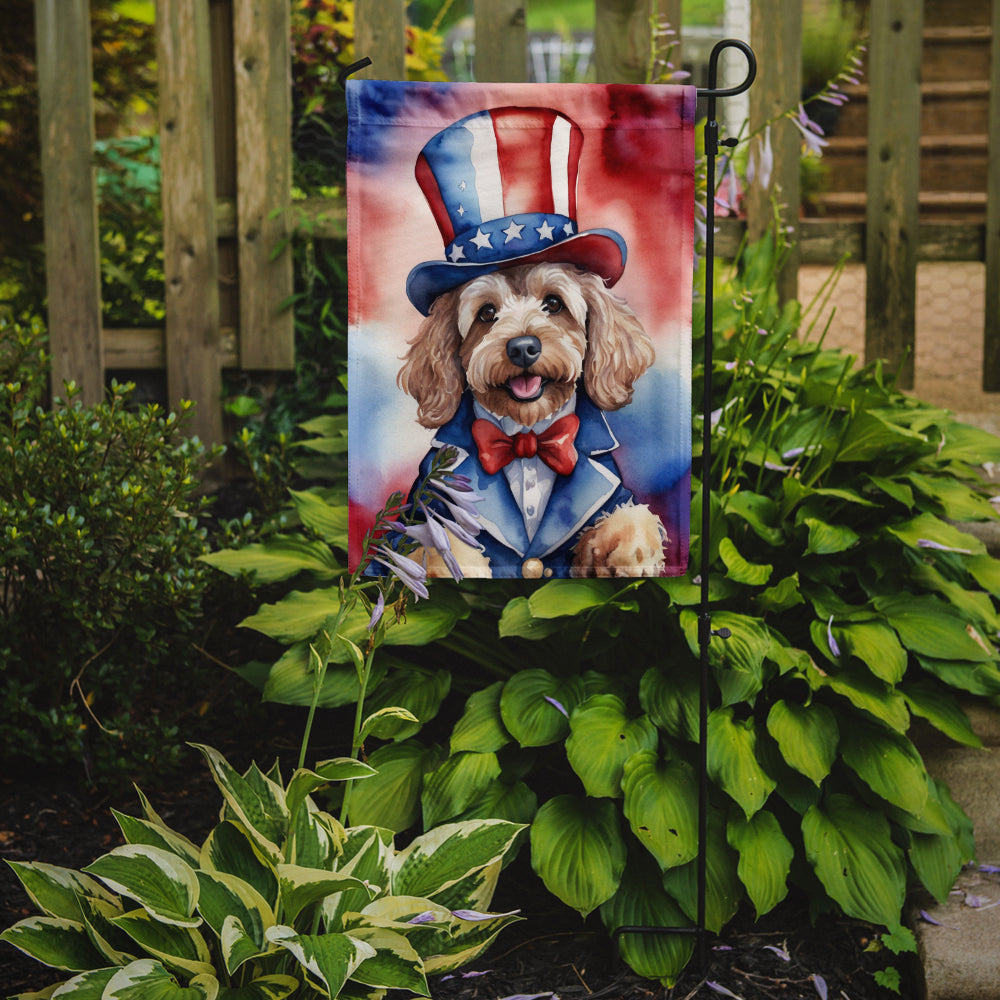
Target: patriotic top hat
<point>502,187</point>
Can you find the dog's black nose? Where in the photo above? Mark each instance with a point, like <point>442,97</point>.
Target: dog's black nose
<point>524,351</point>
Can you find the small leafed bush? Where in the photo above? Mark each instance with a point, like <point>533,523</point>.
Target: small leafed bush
<point>99,575</point>
<point>280,899</point>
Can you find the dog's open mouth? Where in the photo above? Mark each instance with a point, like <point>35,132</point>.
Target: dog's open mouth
<point>525,387</point>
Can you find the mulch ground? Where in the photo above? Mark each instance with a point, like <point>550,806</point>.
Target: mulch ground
<point>551,952</point>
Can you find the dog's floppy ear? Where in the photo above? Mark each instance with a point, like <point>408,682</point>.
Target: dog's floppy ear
<point>618,348</point>
<point>432,373</point>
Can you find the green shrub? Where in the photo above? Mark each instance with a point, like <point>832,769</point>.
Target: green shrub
<point>279,900</point>
<point>101,584</point>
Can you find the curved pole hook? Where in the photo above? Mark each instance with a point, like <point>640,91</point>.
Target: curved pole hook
<point>348,70</point>
<point>713,69</point>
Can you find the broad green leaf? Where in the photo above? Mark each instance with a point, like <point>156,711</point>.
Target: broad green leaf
<point>870,435</point>
<point>279,558</point>
<point>888,763</point>
<point>441,857</point>
<point>986,571</point>
<point>739,569</point>
<point>807,736</point>
<point>765,858</point>
<point>301,887</point>
<point>670,698</point>
<point>876,646</point>
<point>976,678</point>
<point>578,851</point>
<point>866,692</point>
<point>225,897</point>
<point>758,511</point>
<point>661,806</point>
<point>142,831</point>
<point>327,520</point>
<point>976,605</point>
<point>391,798</point>
<point>147,979</point>
<point>893,488</point>
<point>723,889</point>
<point>517,620</point>
<point>937,857</point>
<point>291,680</point>
<point>418,690</point>
<point>163,884</point>
<point>732,760</point>
<point>385,723</point>
<point>561,598</point>
<point>957,501</point>
<point>783,595</point>
<point>965,443</point>
<point>530,706</point>
<point>395,964</point>
<point>56,891</point>
<point>932,628</point>
<point>850,848</point>
<point>640,901</point>
<point>481,728</point>
<point>180,948</point>
<point>738,661</point>
<point>54,941</point>
<point>602,737</point>
<point>274,987</point>
<point>928,528</point>
<point>330,959</point>
<point>231,850</point>
<point>304,782</point>
<point>941,709</point>
<point>828,539</point>
<point>262,812</point>
<point>456,784</point>
<point>516,803</point>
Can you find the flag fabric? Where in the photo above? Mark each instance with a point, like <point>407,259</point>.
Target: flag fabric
<point>520,278</point>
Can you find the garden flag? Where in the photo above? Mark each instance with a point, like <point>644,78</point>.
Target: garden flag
<point>520,275</point>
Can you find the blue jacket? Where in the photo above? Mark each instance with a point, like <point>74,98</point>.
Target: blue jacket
<point>593,488</point>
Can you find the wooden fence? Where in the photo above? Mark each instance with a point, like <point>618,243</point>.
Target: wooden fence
<point>226,161</point>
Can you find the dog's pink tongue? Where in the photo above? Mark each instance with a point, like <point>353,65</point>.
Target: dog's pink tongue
<point>525,386</point>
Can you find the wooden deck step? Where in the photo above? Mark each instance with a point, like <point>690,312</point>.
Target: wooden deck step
<point>958,206</point>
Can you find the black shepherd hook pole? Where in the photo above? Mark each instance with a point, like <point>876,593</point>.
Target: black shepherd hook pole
<point>705,632</point>
<point>354,67</point>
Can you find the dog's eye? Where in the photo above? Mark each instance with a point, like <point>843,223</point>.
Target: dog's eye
<point>552,304</point>
<point>487,313</point>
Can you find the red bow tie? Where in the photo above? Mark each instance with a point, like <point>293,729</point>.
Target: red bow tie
<point>554,446</point>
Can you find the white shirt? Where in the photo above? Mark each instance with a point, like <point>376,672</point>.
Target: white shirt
<point>530,479</point>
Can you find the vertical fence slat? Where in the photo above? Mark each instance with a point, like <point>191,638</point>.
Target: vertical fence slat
<point>892,214</point>
<point>991,332</point>
<point>190,253</point>
<point>776,35</point>
<point>261,57</point>
<point>72,257</point>
<point>669,11</point>
<point>621,40</point>
<point>501,41</point>
<point>380,34</point>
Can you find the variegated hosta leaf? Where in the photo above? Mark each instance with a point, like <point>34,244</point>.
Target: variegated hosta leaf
<point>441,857</point>
<point>86,986</point>
<point>888,763</point>
<point>158,880</point>
<point>765,858</point>
<point>54,941</point>
<point>315,838</point>
<point>661,805</point>
<point>535,706</point>
<point>578,851</point>
<point>850,847</point>
<point>225,897</point>
<point>476,890</point>
<point>732,760</point>
<point>256,801</point>
<point>456,784</point>
<point>468,939</point>
<point>141,831</point>
<point>304,782</point>
<point>642,902</point>
<point>602,737</point>
<point>56,891</point>
<point>300,887</point>
<point>274,987</point>
<point>723,889</point>
<point>391,799</point>
<point>230,849</point>
<point>147,979</point>
<point>328,959</point>
<point>177,947</point>
<point>481,727</point>
<point>116,947</point>
<point>367,853</point>
<point>807,736</point>
<point>395,964</point>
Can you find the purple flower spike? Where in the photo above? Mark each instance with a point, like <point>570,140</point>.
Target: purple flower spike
<point>927,543</point>
<point>409,571</point>
<point>780,952</point>
<point>475,915</point>
<point>834,648</point>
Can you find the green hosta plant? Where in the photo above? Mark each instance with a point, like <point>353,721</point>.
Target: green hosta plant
<point>279,900</point>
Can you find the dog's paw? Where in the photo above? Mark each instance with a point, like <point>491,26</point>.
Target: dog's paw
<point>627,542</point>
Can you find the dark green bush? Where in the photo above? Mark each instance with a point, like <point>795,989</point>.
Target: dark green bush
<point>100,587</point>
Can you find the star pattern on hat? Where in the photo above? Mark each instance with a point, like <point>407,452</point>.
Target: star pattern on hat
<point>545,231</point>
<point>457,253</point>
<point>482,240</point>
<point>513,231</point>
<point>568,229</point>
<point>461,210</point>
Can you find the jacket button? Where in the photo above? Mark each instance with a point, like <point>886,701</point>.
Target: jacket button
<point>531,569</point>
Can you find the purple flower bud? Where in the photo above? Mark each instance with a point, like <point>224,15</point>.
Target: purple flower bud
<point>377,611</point>
<point>834,648</point>
<point>820,983</point>
<point>427,917</point>
<point>558,705</point>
